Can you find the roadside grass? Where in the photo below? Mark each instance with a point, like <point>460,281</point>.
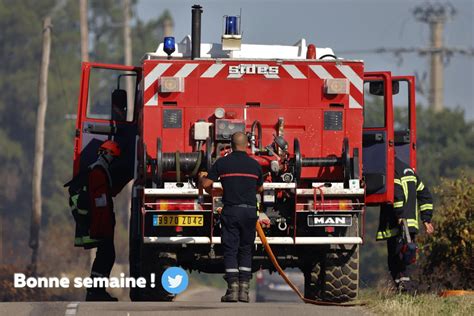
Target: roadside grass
<point>387,303</point>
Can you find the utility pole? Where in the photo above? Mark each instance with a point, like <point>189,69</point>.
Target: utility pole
<point>436,16</point>
<point>127,43</point>
<point>39,144</point>
<point>166,23</point>
<point>84,30</point>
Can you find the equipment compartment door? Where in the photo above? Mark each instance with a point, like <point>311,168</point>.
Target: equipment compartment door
<point>106,111</point>
<point>404,104</point>
<point>378,138</point>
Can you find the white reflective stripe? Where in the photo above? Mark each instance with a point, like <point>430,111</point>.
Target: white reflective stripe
<point>153,100</point>
<point>353,104</point>
<point>186,70</point>
<point>231,270</point>
<point>271,240</point>
<point>404,279</point>
<point>153,75</point>
<point>245,269</point>
<point>353,77</point>
<point>320,71</point>
<point>212,71</point>
<point>235,76</point>
<point>294,71</point>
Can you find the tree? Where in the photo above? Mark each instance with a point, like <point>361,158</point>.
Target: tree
<point>446,260</point>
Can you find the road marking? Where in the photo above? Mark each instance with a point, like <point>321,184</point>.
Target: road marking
<point>71,308</point>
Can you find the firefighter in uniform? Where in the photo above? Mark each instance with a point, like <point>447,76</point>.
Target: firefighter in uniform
<point>102,217</point>
<point>241,179</point>
<point>412,200</point>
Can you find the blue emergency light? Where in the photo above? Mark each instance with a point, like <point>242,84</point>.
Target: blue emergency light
<point>231,26</point>
<point>169,44</point>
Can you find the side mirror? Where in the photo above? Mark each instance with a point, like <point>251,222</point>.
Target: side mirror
<point>119,105</point>
<point>377,88</point>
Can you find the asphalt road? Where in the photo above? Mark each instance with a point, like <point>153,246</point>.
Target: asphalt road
<point>194,302</point>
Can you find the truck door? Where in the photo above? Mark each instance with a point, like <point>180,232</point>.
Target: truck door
<point>106,111</point>
<point>378,138</point>
<point>404,104</point>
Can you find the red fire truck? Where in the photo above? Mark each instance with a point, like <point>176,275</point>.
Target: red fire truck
<point>303,110</point>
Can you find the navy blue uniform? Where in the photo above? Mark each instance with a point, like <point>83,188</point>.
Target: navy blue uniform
<point>240,176</point>
<point>413,201</point>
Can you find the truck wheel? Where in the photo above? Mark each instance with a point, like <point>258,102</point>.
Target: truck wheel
<point>335,278</point>
<point>152,261</point>
<point>156,262</point>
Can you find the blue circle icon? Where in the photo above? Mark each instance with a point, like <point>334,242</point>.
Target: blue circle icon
<point>174,280</point>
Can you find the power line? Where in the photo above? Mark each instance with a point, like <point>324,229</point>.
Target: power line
<point>436,15</point>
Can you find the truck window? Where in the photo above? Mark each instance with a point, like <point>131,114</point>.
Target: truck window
<point>401,107</point>
<point>374,108</point>
<point>102,84</point>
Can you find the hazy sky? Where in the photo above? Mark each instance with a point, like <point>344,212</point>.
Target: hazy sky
<point>344,25</point>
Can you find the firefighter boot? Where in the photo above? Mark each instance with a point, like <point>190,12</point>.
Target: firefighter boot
<point>99,295</point>
<point>244,292</point>
<point>232,293</point>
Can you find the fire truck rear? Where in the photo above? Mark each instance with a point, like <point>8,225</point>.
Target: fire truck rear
<point>303,111</point>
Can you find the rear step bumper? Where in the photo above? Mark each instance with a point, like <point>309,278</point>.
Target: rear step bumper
<point>271,240</point>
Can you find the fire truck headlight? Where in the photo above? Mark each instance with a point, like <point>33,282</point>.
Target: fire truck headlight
<point>231,26</point>
<point>171,84</point>
<point>336,86</point>
<point>169,45</point>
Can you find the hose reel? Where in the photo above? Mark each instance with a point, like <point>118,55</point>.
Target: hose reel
<point>299,162</point>
<point>184,164</point>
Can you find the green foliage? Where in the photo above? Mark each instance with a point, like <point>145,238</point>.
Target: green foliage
<point>445,143</point>
<point>448,256</point>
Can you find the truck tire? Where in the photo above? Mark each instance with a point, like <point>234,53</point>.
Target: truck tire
<point>153,261</point>
<point>334,277</point>
<point>144,260</point>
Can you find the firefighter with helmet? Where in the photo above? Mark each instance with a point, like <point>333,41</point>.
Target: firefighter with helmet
<point>102,217</point>
<point>412,200</point>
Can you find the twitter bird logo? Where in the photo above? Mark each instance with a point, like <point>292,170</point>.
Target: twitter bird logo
<point>174,280</point>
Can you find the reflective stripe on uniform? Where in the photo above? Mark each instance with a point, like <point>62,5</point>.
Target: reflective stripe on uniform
<point>397,181</point>
<point>404,181</point>
<point>426,207</point>
<point>231,270</point>
<point>245,269</point>
<point>387,233</point>
<point>408,178</point>
<point>82,212</point>
<point>89,240</point>
<point>420,187</point>
<point>398,204</point>
<point>412,223</point>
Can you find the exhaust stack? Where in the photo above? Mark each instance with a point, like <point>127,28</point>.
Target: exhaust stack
<point>196,31</point>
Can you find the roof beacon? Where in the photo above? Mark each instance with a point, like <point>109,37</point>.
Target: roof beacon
<point>232,37</point>
<point>169,45</point>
